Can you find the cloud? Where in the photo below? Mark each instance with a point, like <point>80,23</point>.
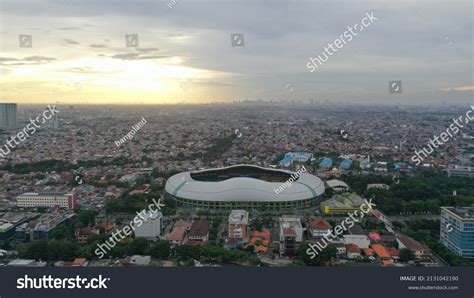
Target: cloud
<point>39,58</point>
<point>70,41</point>
<point>31,60</point>
<point>405,43</point>
<point>137,56</point>
<point>146,50</point>
<point>460,88</point>
<point>70,28</point>
<point>88,70</point>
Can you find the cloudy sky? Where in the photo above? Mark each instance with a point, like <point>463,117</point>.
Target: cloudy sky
<point>79,51</point>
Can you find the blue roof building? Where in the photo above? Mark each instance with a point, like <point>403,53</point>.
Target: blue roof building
<point>346,164</point>
<point>325,163</point>
<point>291,157</point>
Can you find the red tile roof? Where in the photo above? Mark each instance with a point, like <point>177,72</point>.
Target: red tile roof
<point>79,261</point>
<point>393,252</point>
<point>289,232</point>
<point>200,228</point>
<point>380,251</point>
<point>368,251</point>
<point>319,224</point>
<point>176,235</point>
<point>374,236</point>
<point>263,236</point>
<point>353,248</point>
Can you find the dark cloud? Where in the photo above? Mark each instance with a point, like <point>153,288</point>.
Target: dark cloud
<point>146,50</point>
<point>39,58</point>
<point>70,41</point>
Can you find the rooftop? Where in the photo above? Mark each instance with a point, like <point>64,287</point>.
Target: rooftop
<point>44,194</point>
<point>238,217</point>
<point>336,183</point>
<point>200,228</point>
<point>380,251</point>
<point>345,200</point>
<point>319,224</point>
<point>464,212</point>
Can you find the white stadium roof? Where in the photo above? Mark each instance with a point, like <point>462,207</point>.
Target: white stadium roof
<point>243,189</point>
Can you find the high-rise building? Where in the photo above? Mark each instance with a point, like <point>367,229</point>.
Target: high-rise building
<point>50,199</point>
<point>55,122</point>
<point>291,235</point>
<point>151,226</point>
<point>7,115</point>
<point>457,230</point>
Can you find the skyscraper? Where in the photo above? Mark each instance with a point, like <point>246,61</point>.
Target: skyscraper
<point>457,230</point>
<point>7,115</point>
<point>55,122</point>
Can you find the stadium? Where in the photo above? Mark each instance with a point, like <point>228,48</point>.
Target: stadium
<point>244,187</point>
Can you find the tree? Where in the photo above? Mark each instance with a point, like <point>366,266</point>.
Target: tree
<point>137,247</point>
<point>234,256</point>
<point>160,249</point>
<point>321,259</point>
<point>118,251</point>
<point>187,252</point>
<point>398,224</point>
<point>394,243</point>
<point>59,232</point>
<point>250,248</point>
<point>86,217</point>
<point>204,213</point>
<point>37,250</point>
<point>406,255</point>
<point>212,252</point>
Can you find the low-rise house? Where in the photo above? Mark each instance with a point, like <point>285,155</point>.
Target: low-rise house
<point>178,234</point>
<point>374,236</point>
<point>260,240</point>
<point>381,252</point>
<point>394,253</point>
<point>318,228</point>
<point>82,235</point>
<point>368,252</point>
<point>352,251</point>
<point>378,186</point>
<point>361,241</point>
<point>341,247</point>
<point>420,251</point>
<point>199,233</point>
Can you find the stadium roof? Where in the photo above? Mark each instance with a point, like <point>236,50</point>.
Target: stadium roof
<point>243,188</point>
